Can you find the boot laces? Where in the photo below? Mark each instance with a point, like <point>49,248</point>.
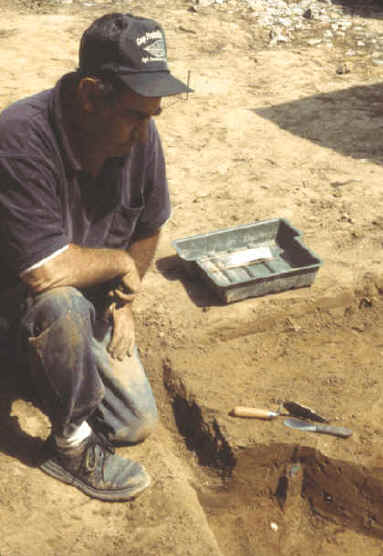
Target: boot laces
<point>97,439</point>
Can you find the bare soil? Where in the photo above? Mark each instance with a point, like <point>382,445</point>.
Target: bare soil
<point>269,133</point>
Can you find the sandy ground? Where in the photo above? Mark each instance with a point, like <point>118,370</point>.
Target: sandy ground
<point>269,133</point>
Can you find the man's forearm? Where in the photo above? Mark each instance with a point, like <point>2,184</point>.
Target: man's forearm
<point>80,267</point>
<point>143,251</point>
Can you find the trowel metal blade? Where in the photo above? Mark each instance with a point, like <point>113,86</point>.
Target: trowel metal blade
<point>299,410</point>
<point>299,425</point>
<point>342,432</point>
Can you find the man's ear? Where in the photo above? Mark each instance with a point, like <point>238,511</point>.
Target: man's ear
<point>88,90</point>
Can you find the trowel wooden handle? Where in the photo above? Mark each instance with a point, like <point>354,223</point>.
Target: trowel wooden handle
<point>256,412</point>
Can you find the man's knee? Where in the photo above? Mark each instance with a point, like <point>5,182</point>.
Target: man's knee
<point>61,300</point>
<point>137,431</point>
<point>53,305</point>
<point>146,426</point>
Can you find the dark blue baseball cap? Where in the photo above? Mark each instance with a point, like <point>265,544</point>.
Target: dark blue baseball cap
<point>134,50</point>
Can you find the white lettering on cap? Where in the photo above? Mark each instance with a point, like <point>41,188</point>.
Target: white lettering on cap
<point>149,35</point>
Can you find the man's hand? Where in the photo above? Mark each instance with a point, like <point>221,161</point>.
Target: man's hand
<point>128,285</point>
<point>126,288</point>
<point>121,315</point>
<point>123,333</point>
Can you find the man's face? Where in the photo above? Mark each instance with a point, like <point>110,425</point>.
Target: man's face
<point>122,122</point>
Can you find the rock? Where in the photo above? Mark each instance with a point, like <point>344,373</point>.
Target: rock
<point>297,10</point>
<point>342,69</point>
<point>314,42</point>
<point>293,20</point>
<point>308,14</point>
<point>285,22</point>
<point>205,3</point>
<point>344,25</point>
<point>276,36</point>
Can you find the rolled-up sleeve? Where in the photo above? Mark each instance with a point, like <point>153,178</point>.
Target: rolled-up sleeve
<point>31,221</point>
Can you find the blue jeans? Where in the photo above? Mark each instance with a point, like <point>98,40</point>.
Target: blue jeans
<point>65,343</point>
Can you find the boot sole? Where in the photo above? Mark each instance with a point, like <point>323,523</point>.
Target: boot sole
<point>114,495</point>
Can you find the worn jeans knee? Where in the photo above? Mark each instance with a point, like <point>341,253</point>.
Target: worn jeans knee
<point>46,308</point>
<point>134,432</point>
<point>137,432</point>
<point>58,331</point>
<point>76,377</point>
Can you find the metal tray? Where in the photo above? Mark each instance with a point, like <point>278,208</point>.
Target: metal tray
<point>277,259</point>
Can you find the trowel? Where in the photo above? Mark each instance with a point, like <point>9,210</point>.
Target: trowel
<point>253,412</point>
<point>317,427</point>
<point>293,408</point>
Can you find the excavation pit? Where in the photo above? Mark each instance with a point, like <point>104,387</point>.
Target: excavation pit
<point>269,489</point>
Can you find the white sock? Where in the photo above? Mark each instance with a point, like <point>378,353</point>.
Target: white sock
<point>78,435</point>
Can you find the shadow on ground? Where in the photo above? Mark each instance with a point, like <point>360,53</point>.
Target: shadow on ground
<point>14,441</point>
<point>349,121</point>
<point>364,8</point>
<point>173,270</point>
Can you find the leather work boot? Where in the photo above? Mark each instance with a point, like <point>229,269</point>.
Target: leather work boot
<point>94,468</point>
